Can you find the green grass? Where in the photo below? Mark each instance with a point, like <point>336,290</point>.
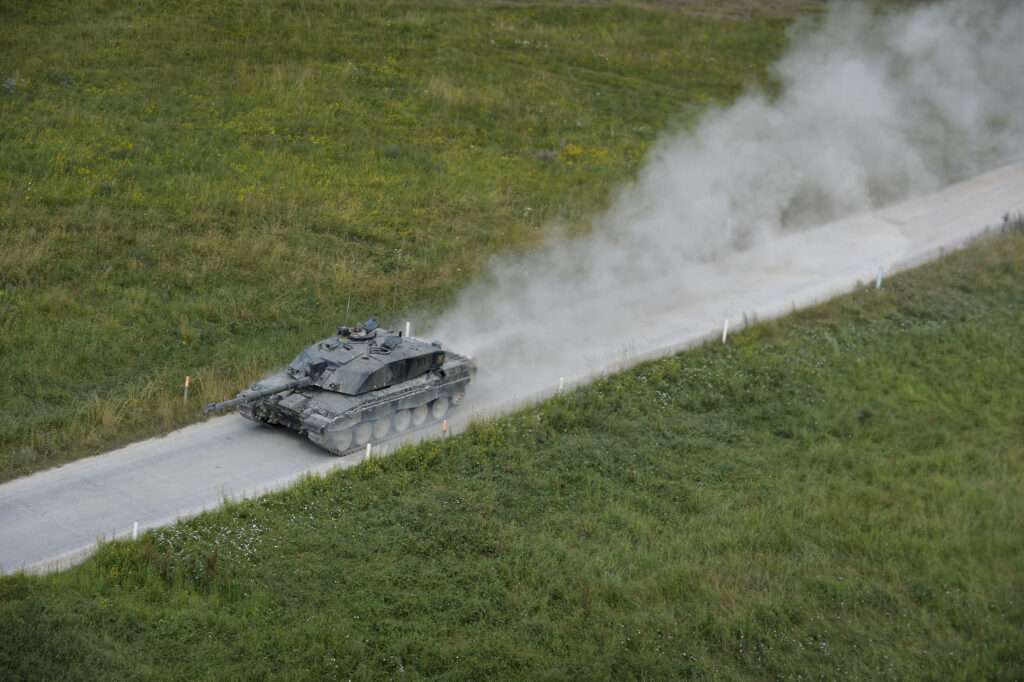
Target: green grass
<point>184,189</point>
<point>194,188</point>
<point>832,494</point>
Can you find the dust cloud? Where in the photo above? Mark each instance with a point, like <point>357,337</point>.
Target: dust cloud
<point>870,109</point>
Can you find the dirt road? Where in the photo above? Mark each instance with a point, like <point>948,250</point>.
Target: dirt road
<point>55,518</point>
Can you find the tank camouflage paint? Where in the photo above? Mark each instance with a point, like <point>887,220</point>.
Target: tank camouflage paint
<point>364,384</point>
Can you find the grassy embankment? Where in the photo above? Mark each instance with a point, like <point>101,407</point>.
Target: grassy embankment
<point>195,188</point>
<point>833,494</point>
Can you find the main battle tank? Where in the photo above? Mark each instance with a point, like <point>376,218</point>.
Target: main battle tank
<point>364,384</point>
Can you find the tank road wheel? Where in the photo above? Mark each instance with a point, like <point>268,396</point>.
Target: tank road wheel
<point>439,408</point>
<point>381,428</point>
<point>339,441</point>
<point>401,420</point>
<point>419,414</point>
<point>363,432</point>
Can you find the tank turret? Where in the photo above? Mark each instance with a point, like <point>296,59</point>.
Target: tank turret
<point>365,383</point>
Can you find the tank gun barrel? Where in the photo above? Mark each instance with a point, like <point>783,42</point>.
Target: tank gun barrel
<point>249,396</point>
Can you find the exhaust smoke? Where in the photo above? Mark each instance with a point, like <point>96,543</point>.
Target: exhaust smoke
<point>870,109</point>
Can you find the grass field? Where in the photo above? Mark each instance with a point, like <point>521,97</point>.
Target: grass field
<point>834,494</point>
<point>194,188</point>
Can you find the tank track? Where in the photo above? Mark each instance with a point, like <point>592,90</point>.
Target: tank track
<point>398,427</point>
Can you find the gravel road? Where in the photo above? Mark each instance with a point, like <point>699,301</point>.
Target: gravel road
<point>55,518</point>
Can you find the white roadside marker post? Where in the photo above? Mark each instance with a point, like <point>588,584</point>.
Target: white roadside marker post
<point>561,382</point>
<point>184,400</point>
<point>135,531</point>
<point>407,329</point>
<point>368,445</point>
<point>878,282</point>
<point>725,330</point>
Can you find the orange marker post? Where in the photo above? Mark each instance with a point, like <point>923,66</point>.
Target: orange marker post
<point>184,400</point>
<point>444,429</point>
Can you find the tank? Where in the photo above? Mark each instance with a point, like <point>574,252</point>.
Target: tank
<point>364,384</point>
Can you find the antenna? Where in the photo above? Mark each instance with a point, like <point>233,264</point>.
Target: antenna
<point>398,273</point>
<point>349,303</point>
